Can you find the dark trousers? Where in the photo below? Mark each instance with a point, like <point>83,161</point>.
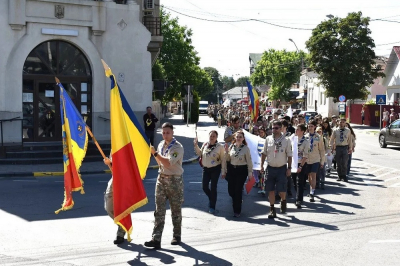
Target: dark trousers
<point>349,164</point>
<point>342,159</point>
<point>150,136</point>
<point>235,186</point>
<point>211,174</point>
<point>300,182</point>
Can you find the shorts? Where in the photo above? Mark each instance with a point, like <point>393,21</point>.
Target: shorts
<point>313,168</point>
<point>276,177</point>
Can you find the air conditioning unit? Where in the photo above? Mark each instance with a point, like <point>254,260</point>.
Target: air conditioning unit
<point>148,4</point>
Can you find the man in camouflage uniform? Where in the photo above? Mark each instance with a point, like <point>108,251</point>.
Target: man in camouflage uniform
<point>169,186</point>
<point>229,131</point>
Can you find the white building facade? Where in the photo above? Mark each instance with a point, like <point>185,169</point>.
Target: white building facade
<point>316,98</point>
<point>392,79</point>
<point>43,39</point>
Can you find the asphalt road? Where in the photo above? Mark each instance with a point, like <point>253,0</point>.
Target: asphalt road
<point>355,223</point>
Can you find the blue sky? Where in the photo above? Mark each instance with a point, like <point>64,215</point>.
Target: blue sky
<point>226,45</point>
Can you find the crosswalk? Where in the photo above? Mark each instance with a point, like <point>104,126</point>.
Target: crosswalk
<point>375,175</point>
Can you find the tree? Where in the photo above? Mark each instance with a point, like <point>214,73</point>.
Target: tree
<point>241,82</point>
<point>279,69</point>
<point>341,52</point>
<point>178,61</point>
<point>228,83</point>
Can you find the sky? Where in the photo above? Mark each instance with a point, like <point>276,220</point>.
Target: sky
<point>226,45</point>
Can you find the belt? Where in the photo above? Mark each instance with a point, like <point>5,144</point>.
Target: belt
<point>238,166</point>
<point>212,167</point>
<point>168,176</point>
<point>342,145</point>
<point>277,166</point>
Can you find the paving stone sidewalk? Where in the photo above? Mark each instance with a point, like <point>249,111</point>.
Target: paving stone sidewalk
<point>184,134</point>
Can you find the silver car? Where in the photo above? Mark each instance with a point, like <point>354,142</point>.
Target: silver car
<point>390,135</point>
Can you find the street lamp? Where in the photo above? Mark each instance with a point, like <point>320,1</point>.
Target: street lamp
<point>298,53</point>
<point>330,16</point>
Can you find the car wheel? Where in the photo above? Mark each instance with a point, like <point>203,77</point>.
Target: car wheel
<point>382,141</point>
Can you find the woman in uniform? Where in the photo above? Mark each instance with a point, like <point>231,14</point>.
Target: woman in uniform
<point>240,167</point>
<point>213,160</point>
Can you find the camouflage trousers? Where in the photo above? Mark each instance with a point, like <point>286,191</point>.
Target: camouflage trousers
<point>109,206</point>
<point>171,189</point>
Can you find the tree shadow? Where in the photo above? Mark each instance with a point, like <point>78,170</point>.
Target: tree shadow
<point>165,257</point>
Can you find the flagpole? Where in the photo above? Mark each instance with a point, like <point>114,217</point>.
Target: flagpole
<point>98,145</point>
<point>90,132</point>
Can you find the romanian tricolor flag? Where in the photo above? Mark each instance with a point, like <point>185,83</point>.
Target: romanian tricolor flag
<point>130,156</point>
<point>75,141</point>
<point>254,106</point>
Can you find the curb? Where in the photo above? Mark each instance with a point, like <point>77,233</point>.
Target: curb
<point>372,133</point>
<point>44,174</point>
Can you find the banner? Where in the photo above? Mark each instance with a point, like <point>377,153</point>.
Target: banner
<point>256,146</point>
<point>295,161</point>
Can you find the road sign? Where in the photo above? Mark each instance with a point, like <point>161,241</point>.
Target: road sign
<point>342,98</point>
<point>381,99</point>
<point>342,108</point>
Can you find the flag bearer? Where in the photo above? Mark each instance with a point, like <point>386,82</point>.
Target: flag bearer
<point>169,186</point>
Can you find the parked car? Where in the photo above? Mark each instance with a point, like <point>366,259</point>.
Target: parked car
<point>308,113</point>
<point>390,135</point>
<point>296,111</point>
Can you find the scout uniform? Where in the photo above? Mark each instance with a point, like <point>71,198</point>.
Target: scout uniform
<point>303,148</point>
<point>316,155</point>
<point>109,203</point>
<point>213,160</point>
<point>169,186</point>
<point>239,168</point>
<point>342,143</point>
<point>229,131</point>
<point>277,152</point>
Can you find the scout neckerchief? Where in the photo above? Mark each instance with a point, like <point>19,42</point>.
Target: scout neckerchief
<point>237,151</point>
<point>311,142</point>
<point>210,148</point>
<point>300,154</point>
<point>278,143</point>
<point>341,135</point>
<point>168,148</point>
<point>149,121</point>
<point>288,134</point>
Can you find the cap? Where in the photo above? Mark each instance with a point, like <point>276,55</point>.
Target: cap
<point>334,116</point>
<point>392,109</point>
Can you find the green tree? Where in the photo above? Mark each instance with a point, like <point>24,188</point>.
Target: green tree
<point>228,83</point>
<point>241,82</point>
<point>279,69</point>
<point>341,52</point>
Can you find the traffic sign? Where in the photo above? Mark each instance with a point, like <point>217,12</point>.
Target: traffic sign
<point>342,98</point>
<point>380,99</point>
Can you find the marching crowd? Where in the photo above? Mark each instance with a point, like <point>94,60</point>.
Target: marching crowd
<point>323,144</point>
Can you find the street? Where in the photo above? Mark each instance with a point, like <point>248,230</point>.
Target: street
<point>355,223</point>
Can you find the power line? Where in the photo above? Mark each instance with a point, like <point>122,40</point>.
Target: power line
<point>387,43</point>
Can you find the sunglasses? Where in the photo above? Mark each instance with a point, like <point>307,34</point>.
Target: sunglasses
<point>276,128</point>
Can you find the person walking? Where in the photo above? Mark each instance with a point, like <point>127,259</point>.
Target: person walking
<point>278,152</point>
<point>385,117</point>
<point>299,178</point>
<point>230,130</point>
<point>213,160</point>
<point>109,203</point>
<point>169,186</point>
<point>239,168</point>
<point>392,116</point>
<point>353,141</point>
<point>316,156</point>
<point>362,115</point>
<point>341,143</point>
<point>322,171</point>
<point>150,121</point>
<point>219,118</point>
<point>327,132</point>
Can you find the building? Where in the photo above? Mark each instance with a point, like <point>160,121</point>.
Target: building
<point>392,79</point>
<point>314,94</point>
<point>235,93</point>
<point>41,39</point>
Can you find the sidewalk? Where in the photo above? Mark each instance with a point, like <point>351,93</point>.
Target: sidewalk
<point>182,133</point>
<point>365,129</point>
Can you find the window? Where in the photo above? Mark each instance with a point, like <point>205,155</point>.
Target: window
<point>395,124</point>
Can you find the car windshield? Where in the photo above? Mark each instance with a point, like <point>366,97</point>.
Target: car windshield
<point>203,105</point>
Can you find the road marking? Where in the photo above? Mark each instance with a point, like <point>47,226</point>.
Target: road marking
<point>395,185</point>
<point>393,178</point>
<point>196,182</point>
<point>384,241</point>
<point>387,173</point>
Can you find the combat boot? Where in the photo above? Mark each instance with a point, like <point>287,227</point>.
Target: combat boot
<point>272,213</point>
<point>283,206</point>
<point>153,244</point>
<point>119,240</point>
<point>176,240</point>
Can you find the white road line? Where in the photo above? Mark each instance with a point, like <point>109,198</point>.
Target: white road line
<point>393,178</point>
<point>384,241</point>
<point>196,182</point>
<point>387,173</point>
<point>395,185</point>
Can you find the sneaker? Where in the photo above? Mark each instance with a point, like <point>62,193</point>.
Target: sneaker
<point>153,244</point>
<point>262,192</point>
<point>345,179</point>
<point>236,215</point>
<point>312,198</point>
<point>283,206</point>
<point>176,240</point>
<point>328,171</point>
<point>119,240</point>
<point>298,204</point>
<point>339,178</point>
<point>211,210</point>
<point>272,213</point>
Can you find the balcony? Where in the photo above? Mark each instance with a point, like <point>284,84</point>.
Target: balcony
<point>153,24</point>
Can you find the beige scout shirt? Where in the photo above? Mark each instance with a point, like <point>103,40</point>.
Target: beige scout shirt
<point>335,138</point>
<point>212,158</point>
<point>317,154</point>
<point>175,156</point>
<point>242,157</point>
<point>283,151</point>
<point>303,149</point>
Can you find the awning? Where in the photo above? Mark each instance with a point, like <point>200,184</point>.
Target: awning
<point>243,101</point>
<point>301,96</point>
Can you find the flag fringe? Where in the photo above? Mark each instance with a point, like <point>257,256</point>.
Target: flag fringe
<point>65,208</point>
<point>131,209</point>
<point>128,232</point>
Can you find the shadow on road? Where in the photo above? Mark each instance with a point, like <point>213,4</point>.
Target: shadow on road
<point>165,257</point>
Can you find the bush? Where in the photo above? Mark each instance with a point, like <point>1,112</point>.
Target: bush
<point>194,109</point>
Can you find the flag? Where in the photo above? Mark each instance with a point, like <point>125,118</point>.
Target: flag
<point>289,112</point>
<point>131,157</point>
<point>254,102</point>
<point>256,147</point>
<point>75,141</point>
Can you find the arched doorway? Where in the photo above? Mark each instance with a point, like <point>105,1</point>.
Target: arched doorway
<point>41,95</point>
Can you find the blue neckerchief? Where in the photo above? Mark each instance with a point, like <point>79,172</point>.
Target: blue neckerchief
<point>341,135</point>
<point>311,141</point>
<point>169,147</point>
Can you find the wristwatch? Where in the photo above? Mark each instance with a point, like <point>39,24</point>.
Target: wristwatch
<point>155,154</point>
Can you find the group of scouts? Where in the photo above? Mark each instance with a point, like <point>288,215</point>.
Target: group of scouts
<point>317,141</point>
